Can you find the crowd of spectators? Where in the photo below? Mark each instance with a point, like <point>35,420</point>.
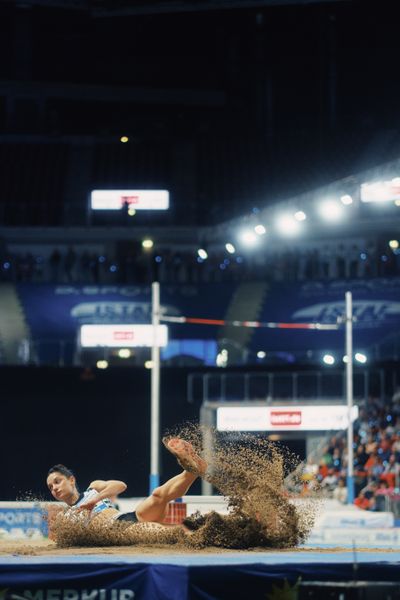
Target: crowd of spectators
<point>137,266</point>
<point>376,458</point>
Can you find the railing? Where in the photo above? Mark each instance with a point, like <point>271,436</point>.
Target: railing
<point>392,504</point>
<point>234,386</point>
<point>45,352</point>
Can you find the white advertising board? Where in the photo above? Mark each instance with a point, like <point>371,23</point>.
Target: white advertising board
<point>122,336</point>
<point>284,418</point>
<point>381,191</point>
<point>137,199</point>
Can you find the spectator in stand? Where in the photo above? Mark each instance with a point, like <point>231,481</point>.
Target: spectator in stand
<point>25,266</point>
<point>361,501</point>
<point>310,469</point>
<point>84,264</point>
<point>337,459</point>
<point>317,262</point>
<point>373,505</point>
<point>374,466</point>
<point>391,471</point>
<point>323,470</point>
<point>94,267</point>
<point>329,482</point>
<point>370,489</point>
<point>384,489</point>
<point>372,445</point>
<point>340,491</point>
<point>376,455</point>
<point>55,262</point>
<point>361,456</point>
<point>385,447</point>
<point>69,264</point>
<point>327,455</point>
<point>354,256</point>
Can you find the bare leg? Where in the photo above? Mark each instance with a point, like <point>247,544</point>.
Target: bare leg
<point>155,506</point>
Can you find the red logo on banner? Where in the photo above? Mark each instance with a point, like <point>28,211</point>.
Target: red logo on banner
<point>287,417</point>
<point>123,335</point>
<point>130,199</point>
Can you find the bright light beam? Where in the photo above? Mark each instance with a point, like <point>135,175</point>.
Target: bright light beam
<point>328,359</point>
<point>300,215</point>
<point>360,357</point>
<point>260,229</point>
<point>248,237</point>
<point>330,210</point>
<point>287,225</point>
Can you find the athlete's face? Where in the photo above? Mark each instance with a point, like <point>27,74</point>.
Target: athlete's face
<point>62,488</point>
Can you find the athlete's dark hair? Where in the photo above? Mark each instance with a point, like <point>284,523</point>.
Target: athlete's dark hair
<point>61,469</point>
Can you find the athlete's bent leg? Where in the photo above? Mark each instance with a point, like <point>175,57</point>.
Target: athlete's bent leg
<point>154,508</point>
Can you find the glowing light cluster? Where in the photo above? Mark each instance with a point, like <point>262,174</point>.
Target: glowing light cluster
<point>329,359</point>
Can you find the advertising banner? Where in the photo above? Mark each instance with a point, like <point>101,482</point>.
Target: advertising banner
<point>284,418</point>
<point>22,520</point>
<point>376,312</point>
<point>126,336</point>
<point>90,581</point>
<point>100,579</point>
<point>138,199</point>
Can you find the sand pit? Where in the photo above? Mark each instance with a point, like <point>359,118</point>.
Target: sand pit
<point>48,548</point>
<point>247,470</point>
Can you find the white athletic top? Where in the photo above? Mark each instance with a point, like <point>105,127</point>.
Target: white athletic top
<point>90,494</point>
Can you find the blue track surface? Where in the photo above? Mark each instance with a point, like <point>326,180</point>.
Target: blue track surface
<point>311,556</point>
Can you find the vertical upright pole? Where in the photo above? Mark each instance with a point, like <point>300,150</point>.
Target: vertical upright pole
<point>349,397</point>
<point>207,422</point>
<point>155,389</point>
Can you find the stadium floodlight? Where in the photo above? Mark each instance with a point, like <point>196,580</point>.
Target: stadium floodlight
<point>260,229</point>
<point>102,364</point>
<point>148,364</point>
<point>328,359</point>
<point>261,354</point>
<point>394,244</point>
<point>124,139</point>
<point>131,211</point>
<point>147,244</point>
<point>287,225</point>
<point>202,253</point>
<point>230,248</point>
<point>360,357</point>
<point>222,358</point>
<point>248,237</point>
<point>300,215</point>
<point>330,210</point>
<point>346,199</point>
<point>124,353</point>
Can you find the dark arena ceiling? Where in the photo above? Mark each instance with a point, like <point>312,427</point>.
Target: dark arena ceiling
<point>113,7</point>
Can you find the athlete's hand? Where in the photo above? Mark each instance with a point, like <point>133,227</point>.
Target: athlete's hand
<point>89,505</point>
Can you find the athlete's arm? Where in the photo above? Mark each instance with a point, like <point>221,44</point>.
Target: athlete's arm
<point>112,487</point>
<point>105,489</point>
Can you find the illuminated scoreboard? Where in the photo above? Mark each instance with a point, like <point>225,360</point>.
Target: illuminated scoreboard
<point>123,336</point>
<point>137,199</point>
